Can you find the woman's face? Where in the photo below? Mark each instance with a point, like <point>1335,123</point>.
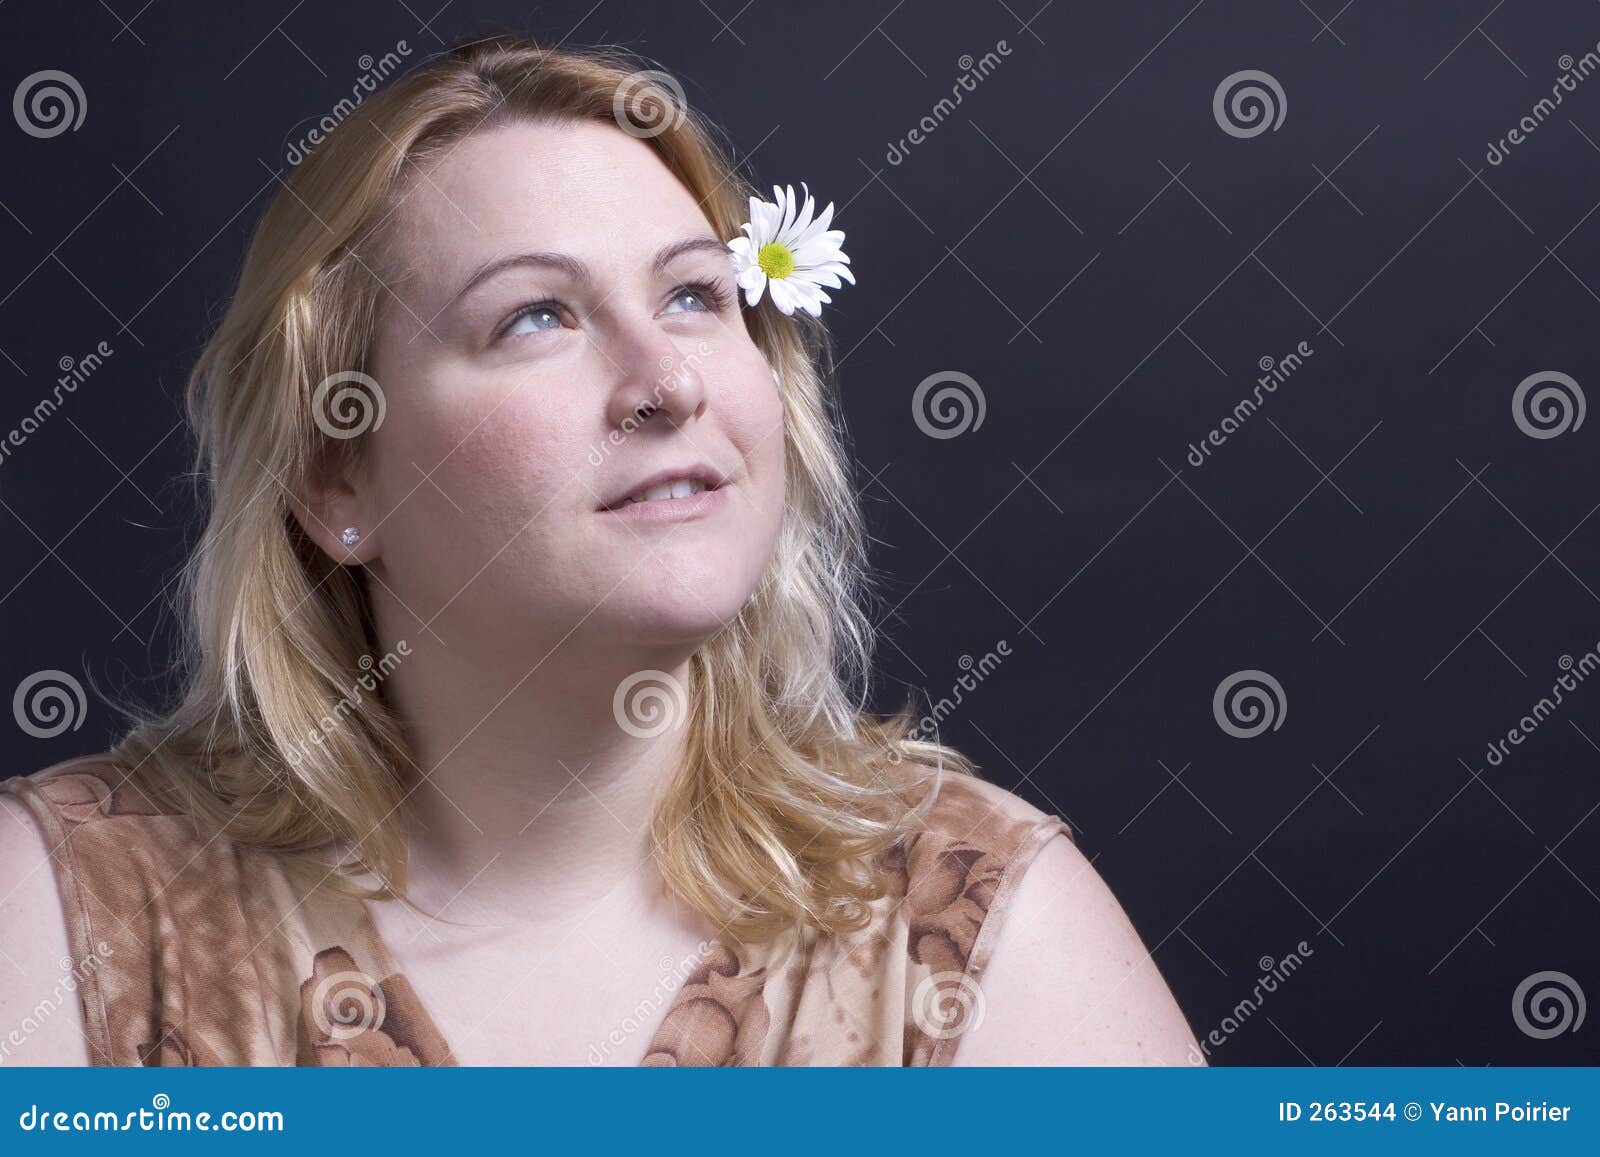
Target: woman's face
<point>566,335</point>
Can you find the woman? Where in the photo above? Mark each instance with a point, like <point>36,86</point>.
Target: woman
<point>520,721</point>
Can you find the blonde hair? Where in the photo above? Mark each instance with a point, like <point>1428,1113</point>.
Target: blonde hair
<point>790,792</point>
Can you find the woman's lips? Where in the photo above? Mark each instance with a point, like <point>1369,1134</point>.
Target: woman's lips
<point>667,510</point>
<point>671,480</point>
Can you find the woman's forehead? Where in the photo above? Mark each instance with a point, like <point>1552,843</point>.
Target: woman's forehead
<point>584,188</point>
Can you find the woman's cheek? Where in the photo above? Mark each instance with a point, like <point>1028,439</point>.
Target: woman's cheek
<point>767,422</point>
<point>744,386</point>
<point>502,473</point>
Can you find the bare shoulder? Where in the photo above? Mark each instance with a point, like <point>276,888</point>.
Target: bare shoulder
<point>41,1022</point>
<point>1069,981</point>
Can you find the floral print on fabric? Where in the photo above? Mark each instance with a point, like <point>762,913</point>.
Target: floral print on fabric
<point>205,953</point>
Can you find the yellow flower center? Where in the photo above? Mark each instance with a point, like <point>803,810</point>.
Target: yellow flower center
<point>775,259</point>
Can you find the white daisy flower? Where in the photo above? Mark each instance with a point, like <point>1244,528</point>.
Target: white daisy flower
<point>793,256</point>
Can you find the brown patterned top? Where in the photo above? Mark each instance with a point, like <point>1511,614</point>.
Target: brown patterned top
<point>192,951</point>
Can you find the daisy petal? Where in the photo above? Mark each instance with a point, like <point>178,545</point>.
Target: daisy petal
<point>788,213</point>
<point>818,227</point>
<point>814,249</point>
<point>782,296</point>
<point>771,223</point>
<point>758,213</point>
<point>802,224</point>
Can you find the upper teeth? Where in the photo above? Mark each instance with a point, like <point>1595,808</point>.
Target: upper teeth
<point>677,488</point>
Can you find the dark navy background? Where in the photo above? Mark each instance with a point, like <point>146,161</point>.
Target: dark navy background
<point>1082,238</point>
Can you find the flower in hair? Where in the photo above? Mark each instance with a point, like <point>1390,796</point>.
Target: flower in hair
<point>791,255</point>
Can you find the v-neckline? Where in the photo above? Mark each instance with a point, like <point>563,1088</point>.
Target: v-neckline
<point>389,966</point>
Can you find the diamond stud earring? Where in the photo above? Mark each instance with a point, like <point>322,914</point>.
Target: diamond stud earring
<point>351,536</point>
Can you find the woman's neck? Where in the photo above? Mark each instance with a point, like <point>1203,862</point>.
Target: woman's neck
<point>532,800</point>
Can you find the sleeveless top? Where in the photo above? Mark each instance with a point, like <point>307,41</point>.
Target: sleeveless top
<point>200,951</point>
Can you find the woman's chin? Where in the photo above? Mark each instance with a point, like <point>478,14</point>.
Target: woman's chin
<point>671,617</point>
<point>686,627</point>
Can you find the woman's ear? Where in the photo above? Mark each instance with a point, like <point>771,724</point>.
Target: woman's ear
<point>333,514</point>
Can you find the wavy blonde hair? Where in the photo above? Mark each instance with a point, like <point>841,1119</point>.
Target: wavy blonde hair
<point>782,810</point>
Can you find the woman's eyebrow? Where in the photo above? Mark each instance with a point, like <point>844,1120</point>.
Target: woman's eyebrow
<point>576,269</point>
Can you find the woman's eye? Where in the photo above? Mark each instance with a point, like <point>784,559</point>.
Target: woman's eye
<point>532,320</point>
<point>703,301</point>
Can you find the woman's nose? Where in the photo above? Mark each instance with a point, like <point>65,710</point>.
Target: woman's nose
<point>657,377</point>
